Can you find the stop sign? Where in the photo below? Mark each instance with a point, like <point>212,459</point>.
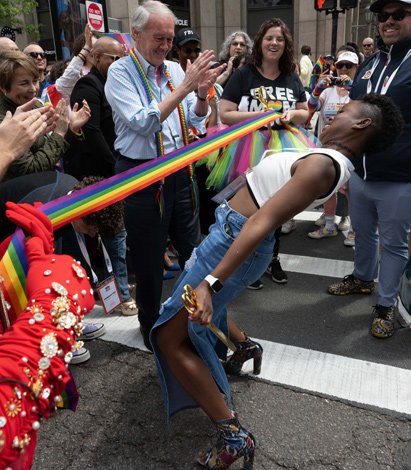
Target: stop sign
<point>95,16</point>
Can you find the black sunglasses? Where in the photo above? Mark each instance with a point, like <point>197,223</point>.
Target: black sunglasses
<point>397,15</point>
<point>347,65</point>
<point>367,45</point>
<point>34,55</point>
<point>189,50</point>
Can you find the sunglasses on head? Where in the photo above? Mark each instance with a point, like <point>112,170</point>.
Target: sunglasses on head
<point>397,15</point>
<point>114,57</point>
<point>189,50</point>
<point>35,55</point>
<point>347,65</point>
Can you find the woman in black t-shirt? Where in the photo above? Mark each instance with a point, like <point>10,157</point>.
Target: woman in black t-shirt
<point>272,66</point>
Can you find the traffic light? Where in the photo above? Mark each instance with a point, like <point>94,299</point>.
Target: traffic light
<point>322,5</point>
<point>347,4</point>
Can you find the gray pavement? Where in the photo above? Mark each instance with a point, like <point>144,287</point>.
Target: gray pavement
<point>120,424</point>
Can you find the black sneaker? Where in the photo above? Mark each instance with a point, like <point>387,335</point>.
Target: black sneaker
<point>257,285</point>
<point>382,325</point>
<point>277,273</point>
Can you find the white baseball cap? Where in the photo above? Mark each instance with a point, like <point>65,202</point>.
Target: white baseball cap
<point>348,56</point>
<point>377,6</point>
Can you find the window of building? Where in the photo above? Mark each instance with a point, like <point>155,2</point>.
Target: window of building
<point>260,10</point>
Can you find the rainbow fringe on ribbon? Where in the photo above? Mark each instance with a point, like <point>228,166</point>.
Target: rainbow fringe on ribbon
<point>13,266</point>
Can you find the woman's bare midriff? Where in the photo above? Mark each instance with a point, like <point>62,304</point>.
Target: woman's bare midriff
<point>243,203</point>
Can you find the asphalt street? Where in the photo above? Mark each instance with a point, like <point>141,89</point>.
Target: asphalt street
<point>301,414</point>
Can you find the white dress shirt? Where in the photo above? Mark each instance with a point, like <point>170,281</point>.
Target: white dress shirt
<point>135,119</point>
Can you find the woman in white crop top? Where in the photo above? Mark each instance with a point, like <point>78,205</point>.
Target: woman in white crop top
<point>236,252</point>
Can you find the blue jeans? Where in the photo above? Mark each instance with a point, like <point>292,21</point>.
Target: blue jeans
<point>380,211</point>
<point>116,249</point>
<point>202,262</point>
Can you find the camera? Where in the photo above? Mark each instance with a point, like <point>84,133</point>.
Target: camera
<point>337,81</point>
<point>237,60</point>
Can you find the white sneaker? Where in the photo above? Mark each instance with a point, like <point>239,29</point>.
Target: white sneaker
<point>320,221</point>
<point>350,239</point>
<point>323,232</point>
<point>344,224</point>
<point>289,226</point>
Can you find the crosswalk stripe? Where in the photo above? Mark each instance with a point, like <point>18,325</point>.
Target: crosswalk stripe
<point>363,382</point>
<point>354,380</point>
<point>317,266</point>
<point>340,377</point>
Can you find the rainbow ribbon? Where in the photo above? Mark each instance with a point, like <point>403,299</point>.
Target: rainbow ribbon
<point>61,211</point>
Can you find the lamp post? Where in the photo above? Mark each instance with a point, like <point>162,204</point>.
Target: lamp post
<point>331,8</point>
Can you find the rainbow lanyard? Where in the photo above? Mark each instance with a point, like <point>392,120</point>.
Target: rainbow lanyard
<point>150,97</point>
<point>159,135</point>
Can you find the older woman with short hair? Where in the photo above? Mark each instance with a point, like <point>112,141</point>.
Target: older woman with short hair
<point>19,83</point>
<point>235,44</point>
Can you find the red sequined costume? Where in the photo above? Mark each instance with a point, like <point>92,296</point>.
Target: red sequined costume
<point>36,349</point>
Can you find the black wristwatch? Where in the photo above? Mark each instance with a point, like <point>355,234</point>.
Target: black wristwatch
<point>215,284</point>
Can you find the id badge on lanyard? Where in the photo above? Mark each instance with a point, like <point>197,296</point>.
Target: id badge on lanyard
<point>109,294</point>
<point>387,79</point>
<point>107,290</point>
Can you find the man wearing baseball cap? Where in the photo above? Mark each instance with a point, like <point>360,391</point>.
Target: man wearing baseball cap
<point>188,46</point>
<point>380,189</point>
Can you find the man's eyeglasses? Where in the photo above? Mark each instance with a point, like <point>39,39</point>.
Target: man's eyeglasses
<point>397,15</point>
<point>347,65</point>
<point>114,57</point>
<point>238,44</point>
<point>367,45</point>
<point>35,55</point>
<point>189,50</point>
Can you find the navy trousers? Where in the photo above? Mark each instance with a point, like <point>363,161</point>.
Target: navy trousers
<point>147,234</point>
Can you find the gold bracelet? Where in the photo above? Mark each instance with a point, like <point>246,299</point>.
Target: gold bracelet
<point>78,134</point>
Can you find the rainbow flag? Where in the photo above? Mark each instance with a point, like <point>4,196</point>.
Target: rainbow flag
<point>123,38</point>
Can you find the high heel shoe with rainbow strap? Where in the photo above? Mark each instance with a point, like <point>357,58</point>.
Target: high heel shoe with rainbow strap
<point>247,349</point>
<point>233,442</point>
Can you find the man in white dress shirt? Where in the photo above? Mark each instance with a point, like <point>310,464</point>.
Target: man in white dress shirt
<point>154,102</point>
